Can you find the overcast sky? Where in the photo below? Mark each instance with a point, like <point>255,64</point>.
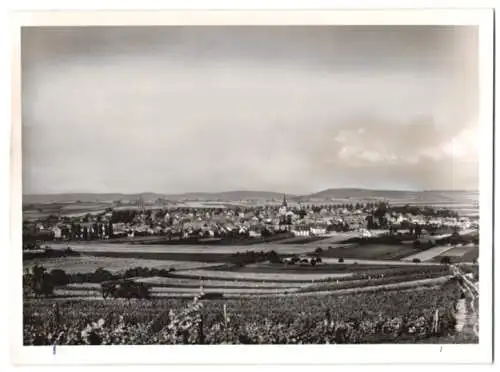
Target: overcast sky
<point>287,109</point>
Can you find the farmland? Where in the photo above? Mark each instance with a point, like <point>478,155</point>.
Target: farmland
<point>210,266</point>
<point>461,254</point>
<point>85,264</point>
<point>367,298</point>
<point>372,251</point>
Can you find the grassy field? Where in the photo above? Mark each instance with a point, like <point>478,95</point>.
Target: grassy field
<point>461,251</point>
<point>87,264</point>
<point>102,248</point>
<point>255,276</point>
<point>460,254</point>
<point>371,252</point>
<point>429,254</point>
<point>161,282</point>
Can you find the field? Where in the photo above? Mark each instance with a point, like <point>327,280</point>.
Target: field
<point>429,254</point>
<point>87,264</point>
<point>372,251</point>
<point>108,248</point>
<point>461,254</point>
<point>364,267</point>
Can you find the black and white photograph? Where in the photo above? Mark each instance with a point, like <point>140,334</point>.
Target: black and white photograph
<point>267,184</point>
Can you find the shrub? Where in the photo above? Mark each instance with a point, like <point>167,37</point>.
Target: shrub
<point>101,275</point>
<point>446,260</point>
<point>416,260</point>
<point>318,250</point>
<point>59,277</point>
<point>273,257</point>
<point>341,260</point>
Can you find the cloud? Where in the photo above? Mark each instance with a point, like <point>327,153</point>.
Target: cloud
<point>207,110</point>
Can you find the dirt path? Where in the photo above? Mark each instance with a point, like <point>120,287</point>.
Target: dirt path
<point>467,312</point>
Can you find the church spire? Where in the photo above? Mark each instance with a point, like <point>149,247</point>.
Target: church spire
<point>284,200</point>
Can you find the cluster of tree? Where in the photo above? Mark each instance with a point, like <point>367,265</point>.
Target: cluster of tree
<point>33,237</point>
<point>423,210</point>
<point>338,227</point>
<point>38,282</point>
<point>250,257</point>
<point>313,261</point>
<point>41,282</point>
<point>424,245</point>
<point>123,215</point>
<point>456,238</point>
<point>50,253</point>
<point>101,275</point>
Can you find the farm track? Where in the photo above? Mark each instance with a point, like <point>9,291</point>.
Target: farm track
<point>467,312</point>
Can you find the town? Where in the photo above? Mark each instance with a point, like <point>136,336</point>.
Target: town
<point>209,224</point>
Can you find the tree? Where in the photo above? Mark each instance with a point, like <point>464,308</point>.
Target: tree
<point>341,260</point>
<point>101,275</point>
<point>274,257</point>
<point>446,260</point>
<point>39,281</point>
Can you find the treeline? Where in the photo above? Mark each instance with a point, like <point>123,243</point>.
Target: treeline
<point>250,257</point>
<point>49,253</point>
<point>39,278</point>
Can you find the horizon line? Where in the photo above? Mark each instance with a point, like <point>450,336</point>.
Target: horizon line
<point>245,190</point>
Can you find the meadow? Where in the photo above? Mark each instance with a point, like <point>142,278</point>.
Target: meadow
<point>371,251</point>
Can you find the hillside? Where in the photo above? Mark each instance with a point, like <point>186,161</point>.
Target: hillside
<point>239,195</point>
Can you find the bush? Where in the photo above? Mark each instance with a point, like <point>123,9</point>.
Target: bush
<point>446,260</point>
<point>273,257</point>
<point>101,275</point>
<point>59,277</point>
<point>416,260</point>
<point>341,260</point>
<point>318,250</point>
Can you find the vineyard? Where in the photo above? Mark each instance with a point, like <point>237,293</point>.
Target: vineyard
<point>377,317</point>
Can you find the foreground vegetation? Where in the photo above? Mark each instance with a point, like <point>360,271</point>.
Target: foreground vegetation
<point>380,317</point>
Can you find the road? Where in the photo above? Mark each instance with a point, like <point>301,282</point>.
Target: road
<point>353,261</point>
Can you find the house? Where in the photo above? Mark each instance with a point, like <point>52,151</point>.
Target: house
<point>57,233</point>
<point>254,234</point>
<point>301,232</point>
<point>318,231</point>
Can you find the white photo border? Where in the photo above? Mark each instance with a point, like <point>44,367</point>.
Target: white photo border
<point>261,354</point>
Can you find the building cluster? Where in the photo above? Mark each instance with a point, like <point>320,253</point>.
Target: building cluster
<point>251,222</point>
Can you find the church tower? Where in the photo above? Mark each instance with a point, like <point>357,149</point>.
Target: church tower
<point>283,208</point>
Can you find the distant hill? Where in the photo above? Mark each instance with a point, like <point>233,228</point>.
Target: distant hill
<point>228,195</point>
<point>402,196</point>
<point>359,193</point>
<point>239,195</point>
<point>102,198</point>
